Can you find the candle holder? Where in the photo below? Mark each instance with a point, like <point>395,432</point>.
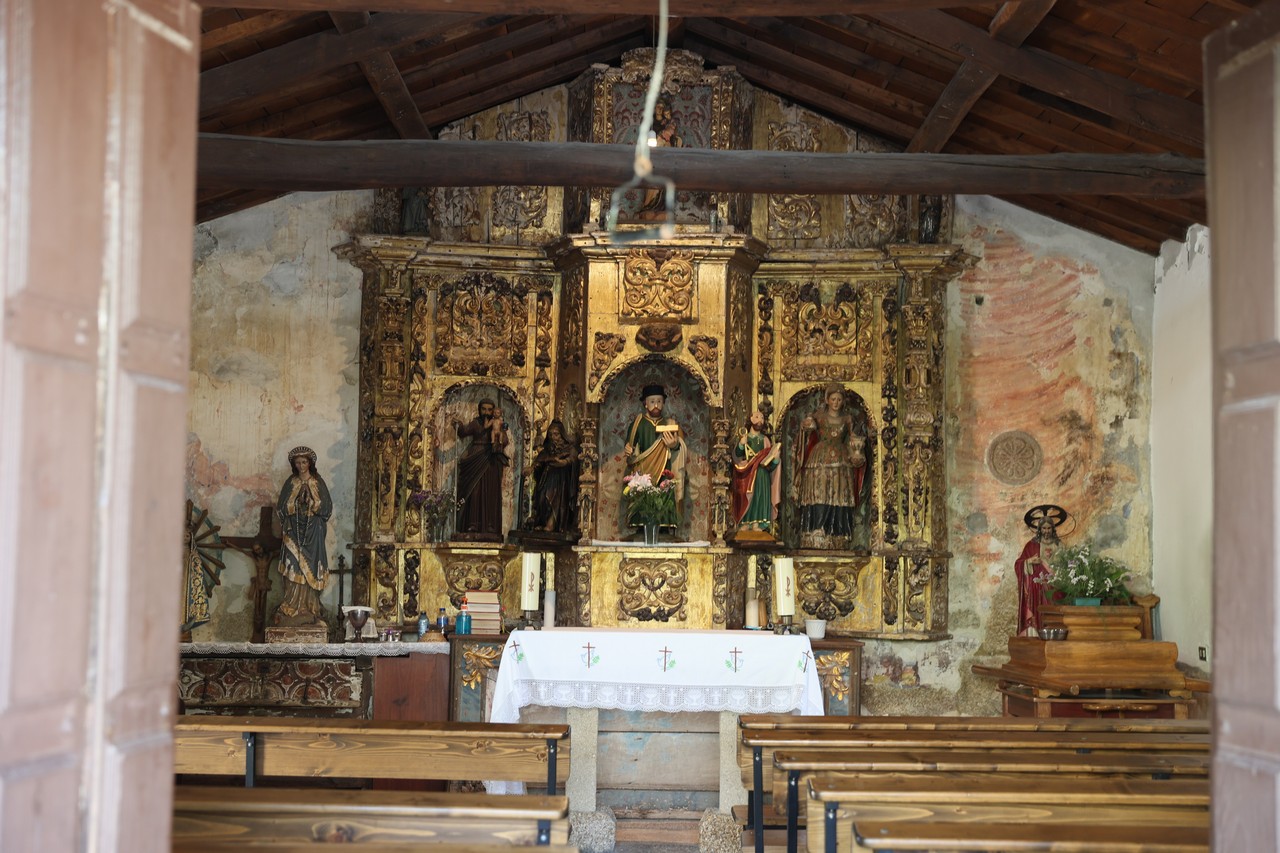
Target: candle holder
<point>529,621</point>
<point>784,626</point>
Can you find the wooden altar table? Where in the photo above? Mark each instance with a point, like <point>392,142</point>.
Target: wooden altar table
<point>586,669</point>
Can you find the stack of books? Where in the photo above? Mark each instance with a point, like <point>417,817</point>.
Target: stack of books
<point>486,612</point>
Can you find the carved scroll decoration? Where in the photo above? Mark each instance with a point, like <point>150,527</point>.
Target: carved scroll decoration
<point>764,304</point>
<point>828,592</point>
<point>889,413</point>
<point>889,591</point>
<point>584,590</point>
<point>478,661</point>
<point>792,216</point>
<point>577,203</point>
<point>455,209</point>
<point>412,561</point>
<point>389,450</point>
<point>608,346</point>
<point>828,341</point>
<point>465,572</point>
<point>834,672</point>
<point>277,683</point>
<point>706,351</point>
<point>575,316</point>
<point>719,588</point>
<point>721,464</point>
<point>386,572</point>
<point>588,471</point>
<point>918,577</point>
<point>872,221</point>
<point>738,340</point>
<point>542,361</point>
<point>653,590</point>
<point>681,67</point>
<point>657,283</point>
<point>392,361</point>
<point>521,206</point>
<point>481,326</point>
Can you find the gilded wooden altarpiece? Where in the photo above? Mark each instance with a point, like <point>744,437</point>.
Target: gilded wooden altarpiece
<point>757,302</point>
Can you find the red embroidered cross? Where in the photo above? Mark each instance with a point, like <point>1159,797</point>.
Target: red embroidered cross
<point>666,652</point>
<point>806,662</point>
<point>588,647</point>
<point>735,653</point>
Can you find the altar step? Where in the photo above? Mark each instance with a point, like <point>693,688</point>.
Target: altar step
<point>657,826</point>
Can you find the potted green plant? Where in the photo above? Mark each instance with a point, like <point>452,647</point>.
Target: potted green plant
<point>1080,575</point>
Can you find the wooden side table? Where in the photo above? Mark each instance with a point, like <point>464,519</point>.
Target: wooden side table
<point>839,662</point>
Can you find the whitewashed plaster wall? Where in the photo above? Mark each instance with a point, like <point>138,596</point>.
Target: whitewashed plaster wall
<point>1050,333</point>
<point>274,364</point>
<point>1182,446</point>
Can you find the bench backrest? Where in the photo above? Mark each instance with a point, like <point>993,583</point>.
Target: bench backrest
<point>997,724</point>
<point>948,837</point>
<point>394,749</point>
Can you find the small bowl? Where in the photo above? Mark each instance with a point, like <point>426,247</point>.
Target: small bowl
<point>1053,633</point>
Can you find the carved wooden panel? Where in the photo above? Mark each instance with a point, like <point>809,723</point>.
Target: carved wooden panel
<point>522,206</point>
<point>791,216</point>
<point>653,590</point>
<point>463,572</point>
<point>658,284</point>
<point>828,331</point>
<point>824,591</point>
<point>482,325</point>
<point>603,353</point>
<point>266,682</point>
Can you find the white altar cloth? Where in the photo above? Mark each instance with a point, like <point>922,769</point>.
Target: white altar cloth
<point>747,672</point>
<point>743,672</point>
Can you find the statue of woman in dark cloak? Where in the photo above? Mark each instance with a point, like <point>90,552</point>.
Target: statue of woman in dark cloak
<point>304,508</point>
<point>555,482</point>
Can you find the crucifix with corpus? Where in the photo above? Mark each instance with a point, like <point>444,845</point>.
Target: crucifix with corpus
<point>263,549</point>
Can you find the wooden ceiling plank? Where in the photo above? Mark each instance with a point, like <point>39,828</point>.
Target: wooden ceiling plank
<point>1115,96</point>
<point>528,62</point>
<point>286,164</point>
<point>1012,23</point>
<point>1151,19</point>
<point>865,91</point>
<point>482,54</point>
<point>810,97</point>
<point>305,58</point>
<point>385,80</point>
<point>250,27</point>
<point>1056,210</point>
<point>677,8</point>
<point>526,84</point>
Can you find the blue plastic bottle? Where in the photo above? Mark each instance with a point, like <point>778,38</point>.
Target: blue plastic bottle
<point>463,624</point>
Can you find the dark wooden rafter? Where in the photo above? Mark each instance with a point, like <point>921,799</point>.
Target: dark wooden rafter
<point>300,165</point>
<point>250,27</point>
<point>679,8</point>
<point>301,60</point>
<point>385,80</point>
<point>1011,25</point>
<point>1108,94</point>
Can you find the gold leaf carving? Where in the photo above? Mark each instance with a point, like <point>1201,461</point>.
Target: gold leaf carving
<point>481,327</point>
<point>575,315</point>
<point>828,591</point>
<point>607,347</point>
<point>833,670</point>
<point>706,351</point>
<point>828,337</point>
<point>477,662</point>
<point>522,206</point>
<point>652,590</point>
<point>657,283</point>
<point>465,573</point>
<point>794,217</point>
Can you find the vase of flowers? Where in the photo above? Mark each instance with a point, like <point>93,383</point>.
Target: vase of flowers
<point>650,505</point>
<point>1081,575</point>
<point>435,507</point>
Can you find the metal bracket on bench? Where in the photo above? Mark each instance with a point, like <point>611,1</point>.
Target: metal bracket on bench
<point>250,757</point>
<point>544,832</point>
<point>551,771</point>
<point>830,827</point>
<point>757,802</point>
<point>793,809</point>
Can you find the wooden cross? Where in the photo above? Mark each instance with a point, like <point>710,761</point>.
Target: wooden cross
<point>263,549</point>
<point>735,652</point>
<point>666,652</point>
<point>806,662</point>
<point>588,647</point>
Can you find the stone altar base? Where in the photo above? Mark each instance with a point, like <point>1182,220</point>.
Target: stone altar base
<point>300,634</point>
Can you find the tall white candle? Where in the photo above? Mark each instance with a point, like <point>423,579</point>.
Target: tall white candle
<point>549,609</point>
<point>784,586</point>
<point>530,573</point>
<point>751,572</point>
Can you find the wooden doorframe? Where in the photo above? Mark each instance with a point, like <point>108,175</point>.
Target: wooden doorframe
<point>1243,103</point>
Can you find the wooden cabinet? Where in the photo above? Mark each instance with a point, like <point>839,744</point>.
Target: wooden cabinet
<point>839,661</point>
<point>473,667</point>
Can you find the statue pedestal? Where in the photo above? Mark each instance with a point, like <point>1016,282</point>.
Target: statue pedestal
<point>298,634</point>
<point>664,586</point>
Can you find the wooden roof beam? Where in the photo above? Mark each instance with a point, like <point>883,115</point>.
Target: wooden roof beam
<point>1011,25</point>
<point>273,70</point>
<point>678,8</point>
<point>285,164</point>
<point>385,80</point>
<point>1118,97</point>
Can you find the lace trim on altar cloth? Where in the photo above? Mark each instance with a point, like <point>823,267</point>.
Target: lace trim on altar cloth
<point>658,697</point>
<point>320,650</point>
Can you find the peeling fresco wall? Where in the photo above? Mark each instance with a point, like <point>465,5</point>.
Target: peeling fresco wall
<point>274,364</point>
<point>1050,334</point>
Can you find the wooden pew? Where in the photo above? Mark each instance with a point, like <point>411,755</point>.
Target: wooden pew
<point>762,735</point>
<point>309,815</point>
<point>998,837</point>
<point>368,749</point>
<point>835,806</point>
<point>198,846</point>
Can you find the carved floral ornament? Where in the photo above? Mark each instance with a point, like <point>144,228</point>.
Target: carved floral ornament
<point>653,590</point>
<point>658,283</point>
<point>482,325</point>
